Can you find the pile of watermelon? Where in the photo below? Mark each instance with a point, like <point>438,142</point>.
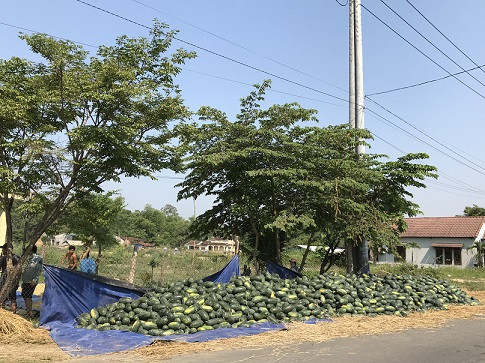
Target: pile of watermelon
<point>193,305</point>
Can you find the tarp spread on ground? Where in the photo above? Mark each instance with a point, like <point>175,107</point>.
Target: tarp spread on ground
<point>68,294</point>
<point>224,275</point>
<point>281,271</point>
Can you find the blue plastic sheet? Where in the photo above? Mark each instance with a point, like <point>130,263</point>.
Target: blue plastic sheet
<point>281,271</point>
<point>224,275</point>
<point>68,294</point>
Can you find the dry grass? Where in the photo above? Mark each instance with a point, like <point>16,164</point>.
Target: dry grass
<point>13,327</point>
<point>339,328</point>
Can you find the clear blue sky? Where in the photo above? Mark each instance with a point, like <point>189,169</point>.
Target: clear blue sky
<point>312,37</point>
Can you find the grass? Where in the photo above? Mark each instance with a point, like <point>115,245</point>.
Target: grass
<point>170,266</point>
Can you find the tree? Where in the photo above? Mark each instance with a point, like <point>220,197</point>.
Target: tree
<point>92,218</point>
<point>474,211</point>
<point>273,177</point>
<point>162,227</point>
<point>72,122</point>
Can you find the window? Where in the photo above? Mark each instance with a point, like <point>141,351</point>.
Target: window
<point>401,251</point>
<point>448,256</point>
<point>457,256</point>
<point>439,255</point>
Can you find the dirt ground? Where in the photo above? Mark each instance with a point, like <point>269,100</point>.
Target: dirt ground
<point>39,347</point>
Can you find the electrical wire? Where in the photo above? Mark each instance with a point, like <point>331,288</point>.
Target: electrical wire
<point>432,44</point>
<point>53,36</point>
<point>217,54</point>
<point>325,93</point>
<point>425,134</point>
<point>448,39</point>
<point>269,89</point>
<point>427,143</point>
<point>426,82</point>
<point>240,46</point>
<point>464,186</point>
<point>420,51</point>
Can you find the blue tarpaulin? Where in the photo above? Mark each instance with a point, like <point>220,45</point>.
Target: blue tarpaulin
<point>281,271</point>
<point>68,294</point>
<point>224,275</point>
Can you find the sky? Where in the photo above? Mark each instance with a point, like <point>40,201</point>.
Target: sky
<point>306,42</point>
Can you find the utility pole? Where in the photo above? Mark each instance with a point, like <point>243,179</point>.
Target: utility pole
<point>360,260</point>
<point>349,245</point>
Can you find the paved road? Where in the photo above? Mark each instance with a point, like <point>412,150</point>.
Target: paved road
<point>460,341</point>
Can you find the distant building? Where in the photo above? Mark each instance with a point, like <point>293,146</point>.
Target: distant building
<point>134,241</point>
<point>437,241</point>
<point>226,246</point>
<point>66,240</point>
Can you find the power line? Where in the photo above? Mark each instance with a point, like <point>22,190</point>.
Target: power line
<point>425,134</point>
<point>421,52</point>
<point>239,45</point>
<point>426,82</point>
<point>428,144</point>
<point>269,89</point>
<point>465,187</point>
<point>463,195</point>
<point>53,36</point>
<point>217,54</point>
<point>430,42</point>
<point>296,83</point>
<point>448,39</point>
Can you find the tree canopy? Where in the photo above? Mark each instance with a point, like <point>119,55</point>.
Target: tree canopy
<point>272,176</point>
<point>73,121</point>
<point>474,211</point>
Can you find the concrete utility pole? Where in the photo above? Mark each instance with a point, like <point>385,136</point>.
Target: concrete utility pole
<point>349,245</point>
<point>360,261</point>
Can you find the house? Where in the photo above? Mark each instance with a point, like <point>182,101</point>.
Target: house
<point>66,240</point>
<point>134,241</point>
<point>435,241</point>
<point>226,246</point>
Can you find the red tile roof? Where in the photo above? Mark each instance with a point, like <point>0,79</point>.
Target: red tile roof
<point>452,227</point>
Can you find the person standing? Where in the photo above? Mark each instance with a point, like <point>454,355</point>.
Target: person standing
<point>88,265</point>
<point>30,278</point>
<point>12,295</point>
<point>71,259</point>
<point>293,266</point>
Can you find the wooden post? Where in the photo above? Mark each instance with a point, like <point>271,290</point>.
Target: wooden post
<point>133,265</point>
<point>161,269</point>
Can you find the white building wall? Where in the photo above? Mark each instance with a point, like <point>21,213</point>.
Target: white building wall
<point>426,255</point>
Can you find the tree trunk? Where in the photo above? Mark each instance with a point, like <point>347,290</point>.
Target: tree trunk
<point>307,250</point>
<point>277,246</point>
<point>349,248</point>
<point>256,245</point>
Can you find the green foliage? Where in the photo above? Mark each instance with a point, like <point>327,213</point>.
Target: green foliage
<point>160,226</point>
<point>474,211</point>
<point>274,178</point>
<point>92,218</point>
<point>73,121</point>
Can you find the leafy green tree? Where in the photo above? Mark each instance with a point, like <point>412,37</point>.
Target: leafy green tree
<point>474,211</point>
<point>272,177</point>
<point>92,218</point>
<point>162,227</point>
<point>74,121</point>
